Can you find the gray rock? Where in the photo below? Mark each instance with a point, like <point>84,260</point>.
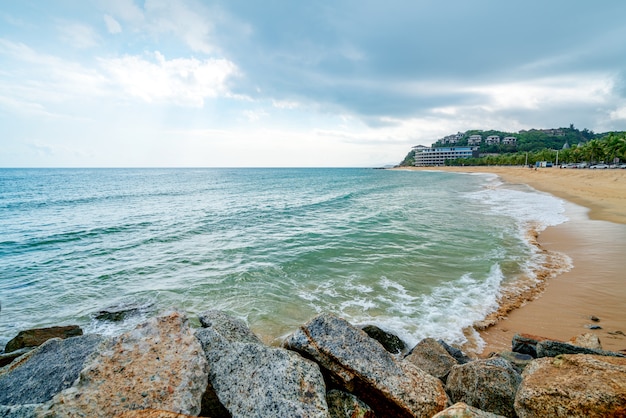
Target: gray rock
<point>458,355</point>
<point>587,340</point>
<point>230,328</point>
<point>433,358</point>
<point>555,348</point>
<point>19,411</point>
<point>45,371</point>
<point>489,385</point>
<point>573,386</point>
<point>122,311</point>
<point>37,336</point>
<point>359,365</point>
<point>252,379</point>
<point>518,360</point>
<point>391,342</point>
<point>526,344</point>
<point>345,405</point>
<point>158,365</point>
<point>463,410</point>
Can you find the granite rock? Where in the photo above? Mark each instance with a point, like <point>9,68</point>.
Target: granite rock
<point>463,410</point>
<point>554,348</point>
<point>358,364</point>
<point>577,385</point>
<point>458,355</point>
<point>489,384</point>
<point>391,342</point>
<point>37,336</point>
<point>345,405</point>
<point>587,340</point>
<point>151,413</point>
<point>526,344</point>
<point>252,379</point>
<point>42,373</point>
<point>433,358</point>
<point>158,365</point>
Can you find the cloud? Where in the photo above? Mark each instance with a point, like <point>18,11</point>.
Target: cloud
<point>113,26</point>
<point>187,21</point>
<point>78,35</point>
<point>183,81</point>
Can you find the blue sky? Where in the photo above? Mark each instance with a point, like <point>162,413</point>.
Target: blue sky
<point>290,83</point>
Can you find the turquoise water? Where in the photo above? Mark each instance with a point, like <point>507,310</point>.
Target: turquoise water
<point>416,253</point>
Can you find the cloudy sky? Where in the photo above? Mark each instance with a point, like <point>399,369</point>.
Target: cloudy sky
<point>138,83</point>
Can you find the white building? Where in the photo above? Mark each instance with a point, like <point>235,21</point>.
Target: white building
<point>425,156</point>
<point>474,140</point>
<point>509,140</point>
<point>492,139</point>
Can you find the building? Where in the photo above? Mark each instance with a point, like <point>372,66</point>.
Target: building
<point>425,156</point>
<point>492,139</point>
<point>509,140</point>
<point>475,140</point>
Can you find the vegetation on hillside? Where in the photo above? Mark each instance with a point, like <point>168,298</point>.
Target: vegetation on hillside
<point>542,145</point>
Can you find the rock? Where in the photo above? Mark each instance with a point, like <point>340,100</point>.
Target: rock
<point>593,326</point>
<point>151,413</point>
<point>391,342</point>
<point>19,411</point>
<point>37,336</point>
<point>526,344</point>
<point>594,318</point>
<point>8,358</point>
<point>228,327</point>
<point>432,358</point>
<point>252,379</point>
<point>118,313</point>
<point>555,348</point>
<point>518,360</point>
<point>463,410</point>
<point>587,340</point>
<point>359,365</point>
<point>345,405</point>
<point>158,365</point>
<point>46,370</point>
<point>488,384</point>
<point>573,386</point>
<point>458,355</point>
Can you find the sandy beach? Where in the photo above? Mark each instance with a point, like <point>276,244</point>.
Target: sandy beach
<point>595,240</point>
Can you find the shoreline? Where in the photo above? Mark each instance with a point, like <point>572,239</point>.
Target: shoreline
<point>594,238</point>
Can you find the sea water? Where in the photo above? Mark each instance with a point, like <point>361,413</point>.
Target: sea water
<point>420,254</point>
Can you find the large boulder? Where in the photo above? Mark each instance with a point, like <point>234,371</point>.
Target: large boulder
<point>433,358</point>
<point>555,348</point>
<point>573,386</point>
<point>526,344</point>
<point>37,336</point>
<point>489,384</point>
<point>47,370</point>
<point>360,365</point>
<point>345,405</point>
<point>463,410</point>
<point>248,378</point>
<point>391,342</point>
<point>587,340</point>
<point>158,365</point>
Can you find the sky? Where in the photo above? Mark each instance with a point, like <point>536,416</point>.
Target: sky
<point>276,83</point>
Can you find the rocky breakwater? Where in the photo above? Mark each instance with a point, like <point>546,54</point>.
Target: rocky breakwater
<point>327,368</point>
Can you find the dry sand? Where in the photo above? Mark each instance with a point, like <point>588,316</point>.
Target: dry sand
<point>595,240</point>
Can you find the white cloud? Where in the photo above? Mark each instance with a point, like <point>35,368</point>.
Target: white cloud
<point>184,81</point>
<point>78,35</point>
<point>113,26</point>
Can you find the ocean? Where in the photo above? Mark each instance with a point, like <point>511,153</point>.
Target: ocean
<point>417,253</point>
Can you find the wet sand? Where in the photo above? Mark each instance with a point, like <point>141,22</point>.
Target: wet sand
<point>595,240</point>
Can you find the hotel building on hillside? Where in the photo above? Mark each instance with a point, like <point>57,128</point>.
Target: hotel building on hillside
<point>425,156</point>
